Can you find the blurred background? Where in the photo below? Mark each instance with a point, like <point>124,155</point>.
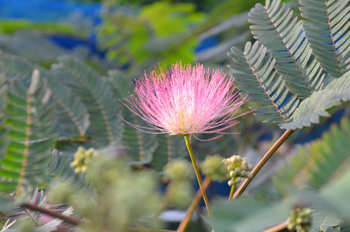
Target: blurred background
<point>137,36</point>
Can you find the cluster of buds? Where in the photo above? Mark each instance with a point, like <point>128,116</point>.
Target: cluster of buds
<point>213,168</point>
<point>180,191</point>
<point>300,219</point>
<point>82,159</point>
<point>238,168</point>
<point>179,170</point>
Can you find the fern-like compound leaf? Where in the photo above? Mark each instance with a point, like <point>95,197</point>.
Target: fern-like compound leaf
<point>30,135</point>
<point>169,149</point>
<point>282,35</point>
<point>317,105</point>
<point>70,112</point>
<point>319,162</point>
<point>327,29</point>
<point>106,127</point>
<point>254,74</point>
<point>139,146</point>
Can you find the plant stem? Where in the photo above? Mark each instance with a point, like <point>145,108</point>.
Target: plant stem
<point>262,162</point>
<point>232,191</point>
<point>278,227</point>
<point>189,147</point>
<point>193,205</point>
<point>71,220</point>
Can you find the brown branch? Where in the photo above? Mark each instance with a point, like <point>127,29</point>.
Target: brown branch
<point>262,162</point>
<point>278,227</point>
<point>70,220</point>
<point>193,205</point>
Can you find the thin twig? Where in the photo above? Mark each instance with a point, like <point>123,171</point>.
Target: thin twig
<point>278,227</point>
<point>70,220</point>
<point>193,205</point>
<point>262,162</point>
<point>232,191</point>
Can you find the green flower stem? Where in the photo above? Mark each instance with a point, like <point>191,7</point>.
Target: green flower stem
<point>262,162</point>
<point>189,147</point>
<point>233,187</point>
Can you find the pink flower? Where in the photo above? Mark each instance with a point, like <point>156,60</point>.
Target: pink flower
<point>185,101</point>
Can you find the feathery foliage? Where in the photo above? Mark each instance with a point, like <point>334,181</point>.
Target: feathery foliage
<point>299,55</point>
<point>29,138</point>
<point>254,73</point>
<point>283,36</point>
<point>317,163</point>
<point>327,29</point>
<point>106,127</point>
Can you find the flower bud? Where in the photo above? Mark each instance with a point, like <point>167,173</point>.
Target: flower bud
<point>231,182</point>
<point>299,219</point>
<point>250,167</point>
<point>214,168</point>
<point>179,170</point>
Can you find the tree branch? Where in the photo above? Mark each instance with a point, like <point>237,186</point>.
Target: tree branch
<point>262,162</point>
<point>70,220</point>
<point>193,205</point>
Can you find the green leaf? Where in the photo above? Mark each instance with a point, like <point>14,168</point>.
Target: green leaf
<point>319,162</point>
<point>140,146</point>
<point>254,74</point>
<point>70,112</point>
<point>245,214</point>
<point>283,36</point>
<point>169,148</point>
<point>317,105</point>
<point>106,127</point>
<point>326,25</point>
<point>30,135</point>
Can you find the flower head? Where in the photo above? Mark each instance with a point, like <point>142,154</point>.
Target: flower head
<point>185,101</point>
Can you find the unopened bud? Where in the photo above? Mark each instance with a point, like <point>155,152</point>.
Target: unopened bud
<point>231,182</point>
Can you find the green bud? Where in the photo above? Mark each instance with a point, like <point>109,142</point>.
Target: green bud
<point>179,170</point>
<point>231,182</point>
<point>238,180</point>
<point>182,194</point>
<point>233,173</point>
<point>249,175</point>
<point>243,173</point>
<point>238,170</point>
<point>299,219</point>
<point>250,167</point>
<point>214,168</point>
<point>229,168</point>
<point>82,158</point>
<point>244,167</point>
<point>59,193</point>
